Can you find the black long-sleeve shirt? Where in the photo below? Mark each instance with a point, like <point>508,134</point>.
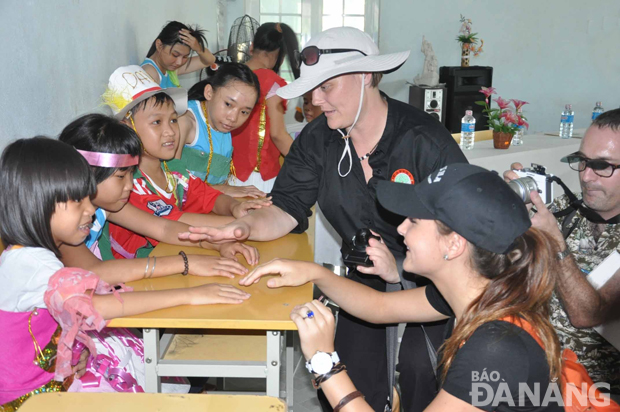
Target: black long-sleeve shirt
<point>412,141</point>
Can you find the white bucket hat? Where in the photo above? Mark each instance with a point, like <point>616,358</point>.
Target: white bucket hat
<point>335,64</point>
<point>130,85</point>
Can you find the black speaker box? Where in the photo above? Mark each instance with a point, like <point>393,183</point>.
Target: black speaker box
<point>463,90</point>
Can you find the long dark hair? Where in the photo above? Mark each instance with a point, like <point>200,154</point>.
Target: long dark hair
<point>35,174</point>
<point>521,285</point>
<point>169,36</point>
<point>278,36</point>
<point>100,133</point>
<point>226,73</point>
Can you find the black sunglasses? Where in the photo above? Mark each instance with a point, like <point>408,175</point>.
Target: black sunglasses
<point>310,55</point>
<point>602,168</point>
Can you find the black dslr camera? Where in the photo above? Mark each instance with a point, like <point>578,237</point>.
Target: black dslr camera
<point>356,254</point>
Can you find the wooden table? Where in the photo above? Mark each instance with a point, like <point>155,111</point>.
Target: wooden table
<point>267,312</point>
<point>132,402</point>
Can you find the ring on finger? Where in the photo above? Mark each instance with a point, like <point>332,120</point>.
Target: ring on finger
<point>310,314</point>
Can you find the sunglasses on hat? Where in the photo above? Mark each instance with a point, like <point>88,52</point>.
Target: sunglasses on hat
<point>311,54</point>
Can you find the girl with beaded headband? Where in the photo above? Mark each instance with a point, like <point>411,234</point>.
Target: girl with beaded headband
<point>169,55</point>
<point>163,186</point>
<point>113,151</point>
<point>217,105</point>
<point>51,185</point>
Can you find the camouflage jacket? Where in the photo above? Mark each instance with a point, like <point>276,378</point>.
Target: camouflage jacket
<point>599,357</point>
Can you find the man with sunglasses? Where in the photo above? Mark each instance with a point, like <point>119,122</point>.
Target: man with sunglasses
<point>362,137</point>
<point>587,235</point>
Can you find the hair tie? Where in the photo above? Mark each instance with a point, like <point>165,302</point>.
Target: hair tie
<point>278,28</point>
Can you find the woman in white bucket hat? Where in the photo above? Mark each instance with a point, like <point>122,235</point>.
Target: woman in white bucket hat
<point>363,137</point>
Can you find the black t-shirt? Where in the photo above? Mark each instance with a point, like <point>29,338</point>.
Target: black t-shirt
<point>500,367</point>
<point>412,142</point>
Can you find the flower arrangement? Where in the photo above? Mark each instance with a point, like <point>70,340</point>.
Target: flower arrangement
<point>503,119</point>
<point>468,40</point>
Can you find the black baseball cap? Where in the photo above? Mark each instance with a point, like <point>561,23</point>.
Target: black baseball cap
<point>474,202</point>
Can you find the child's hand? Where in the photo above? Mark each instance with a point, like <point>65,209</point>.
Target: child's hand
<point>292,273</point>
<point>229,250</point>
<point>215,293</point>
<point>80,369</point>
<point>315,324</point>
<point>241,191</point>
<point>200,265</point>
<point>242,209</point>
<point>190,40</point>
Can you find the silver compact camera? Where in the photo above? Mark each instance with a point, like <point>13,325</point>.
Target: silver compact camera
<point>533,178</point>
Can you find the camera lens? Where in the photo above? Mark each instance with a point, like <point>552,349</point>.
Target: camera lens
<point>523,186</point>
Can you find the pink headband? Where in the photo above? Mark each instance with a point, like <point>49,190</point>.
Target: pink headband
<point>109,159</point>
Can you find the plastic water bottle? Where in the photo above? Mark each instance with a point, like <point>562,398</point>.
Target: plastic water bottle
<point>566,122</point>
<point>468,126</point>
<point>598,109</point>
<point>517,139</point>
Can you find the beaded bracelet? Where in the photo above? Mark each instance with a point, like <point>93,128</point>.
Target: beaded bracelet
<point>336,369</point>
<point>347,399</point>
<point>185,262</point>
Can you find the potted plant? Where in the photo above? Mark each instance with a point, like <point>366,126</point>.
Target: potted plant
<point>503,120</point>
<point>468,41</point>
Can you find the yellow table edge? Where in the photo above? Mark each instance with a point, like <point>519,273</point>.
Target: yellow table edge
<point>126,402</point>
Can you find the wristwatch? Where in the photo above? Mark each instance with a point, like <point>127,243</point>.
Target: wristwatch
<point>322,362</point>
<point>563,254</point>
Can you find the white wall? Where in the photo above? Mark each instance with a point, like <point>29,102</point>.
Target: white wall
<point>547,52</point>
<point>57,55</point>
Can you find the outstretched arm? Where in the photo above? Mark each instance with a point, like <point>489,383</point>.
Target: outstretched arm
<point>127,270</point>
<point>357,299</point>
<point>134,303</point>
<point>264,224</point>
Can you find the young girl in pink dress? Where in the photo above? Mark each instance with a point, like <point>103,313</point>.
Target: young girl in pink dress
<point>50,185</point>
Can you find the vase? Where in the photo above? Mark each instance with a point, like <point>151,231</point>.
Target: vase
<point>464,55</point>
<point>501,140</point>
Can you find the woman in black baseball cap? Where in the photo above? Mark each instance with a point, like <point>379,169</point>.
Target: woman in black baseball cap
<point>493,274</point>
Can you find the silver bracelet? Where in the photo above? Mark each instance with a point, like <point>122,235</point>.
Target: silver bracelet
<point>146,269</point>
<point>153,270</point>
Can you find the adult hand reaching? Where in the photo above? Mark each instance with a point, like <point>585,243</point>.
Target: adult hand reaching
<point>232,232</point>
<point>292,273</point>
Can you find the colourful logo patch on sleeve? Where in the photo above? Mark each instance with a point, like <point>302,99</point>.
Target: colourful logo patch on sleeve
<point>159,208</point>
<point>403,176</point>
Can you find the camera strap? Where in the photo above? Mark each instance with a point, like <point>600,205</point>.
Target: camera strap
<point>576,204</point>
